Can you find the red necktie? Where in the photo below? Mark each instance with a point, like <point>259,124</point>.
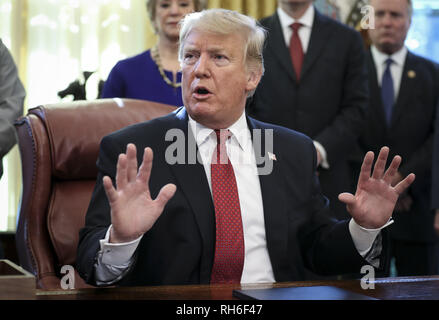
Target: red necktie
<point>296,50</point>
<point>229,246</point>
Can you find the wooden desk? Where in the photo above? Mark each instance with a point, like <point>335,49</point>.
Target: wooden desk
<point>406,288</point>
<point>15,282</point>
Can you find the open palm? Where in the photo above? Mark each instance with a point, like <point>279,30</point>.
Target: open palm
<point>375,197</point>
<point>133,211</point>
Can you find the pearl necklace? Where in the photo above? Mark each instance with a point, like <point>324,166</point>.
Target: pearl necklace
<point>156,58</point>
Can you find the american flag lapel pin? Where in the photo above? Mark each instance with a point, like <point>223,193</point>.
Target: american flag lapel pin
<point>272,156</point>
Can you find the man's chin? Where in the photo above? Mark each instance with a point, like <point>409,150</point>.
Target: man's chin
<point>388,48</point>
<point>207,118</point>
<point>199,111</point>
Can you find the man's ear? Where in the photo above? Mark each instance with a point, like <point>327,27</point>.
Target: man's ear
<point>253,78</point>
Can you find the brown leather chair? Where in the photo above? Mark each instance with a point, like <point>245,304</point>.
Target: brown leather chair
<point>59,146</point>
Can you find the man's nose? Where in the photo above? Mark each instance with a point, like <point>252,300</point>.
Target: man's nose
<point>202,67</point>
<point>387,20</point>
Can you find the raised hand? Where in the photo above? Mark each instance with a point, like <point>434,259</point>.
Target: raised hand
<point>133,211</point>
<point>375,197</point>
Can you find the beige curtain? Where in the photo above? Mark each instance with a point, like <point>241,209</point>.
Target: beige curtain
<point>255,8</point>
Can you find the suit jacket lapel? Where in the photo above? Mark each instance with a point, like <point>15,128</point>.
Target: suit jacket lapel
<point>276,219</point>
<point>193,184</point>
<point>319,38</point>
<point>279,50</point>
<point>405,90</point>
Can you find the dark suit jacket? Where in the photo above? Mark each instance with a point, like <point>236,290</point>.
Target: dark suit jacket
<point>179,249</point>
<point>410,135</point>
<point>328,104</point>
<point>435,181</point>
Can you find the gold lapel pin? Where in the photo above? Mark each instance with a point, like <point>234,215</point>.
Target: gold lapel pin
<point>411,74</point>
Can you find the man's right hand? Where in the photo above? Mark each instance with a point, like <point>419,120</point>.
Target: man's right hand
<point>133,211</point>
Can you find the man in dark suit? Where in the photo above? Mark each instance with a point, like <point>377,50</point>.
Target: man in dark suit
<point>223,217</point>
<point>324,95</point>
<point>404,95</point>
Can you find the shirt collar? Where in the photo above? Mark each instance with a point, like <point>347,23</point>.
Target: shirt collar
<point>306,20</point>
<point>239,131</point>
<point>397,58</point>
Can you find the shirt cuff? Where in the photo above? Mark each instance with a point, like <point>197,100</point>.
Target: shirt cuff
<point>324,163</point>
<point>117,254</point>
<point>364,238</point>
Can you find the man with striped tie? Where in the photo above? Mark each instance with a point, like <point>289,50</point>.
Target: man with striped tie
<point>222,219</point>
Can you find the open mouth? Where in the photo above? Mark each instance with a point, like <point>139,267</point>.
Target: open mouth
<point>202,91</point>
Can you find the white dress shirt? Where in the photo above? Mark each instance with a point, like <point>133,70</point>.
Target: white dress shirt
<point>307,21</point>
<point>396,68</point>
<point>114,260</point>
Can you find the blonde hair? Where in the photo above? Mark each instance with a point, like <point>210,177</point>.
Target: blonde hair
<point>227,22</point>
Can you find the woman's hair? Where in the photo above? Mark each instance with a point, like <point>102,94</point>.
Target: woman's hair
<point>227,22</point>
<point>152,4</point>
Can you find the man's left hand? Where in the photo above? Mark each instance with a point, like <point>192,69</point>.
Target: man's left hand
<point>375,197</point>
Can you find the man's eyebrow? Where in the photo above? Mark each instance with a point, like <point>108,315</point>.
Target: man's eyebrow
<point>216,49</point>
<point>213,49</point>
<point>383,11</point>
<point>187,48</point>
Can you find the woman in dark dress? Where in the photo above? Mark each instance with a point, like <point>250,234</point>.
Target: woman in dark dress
<point>154,75</point>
